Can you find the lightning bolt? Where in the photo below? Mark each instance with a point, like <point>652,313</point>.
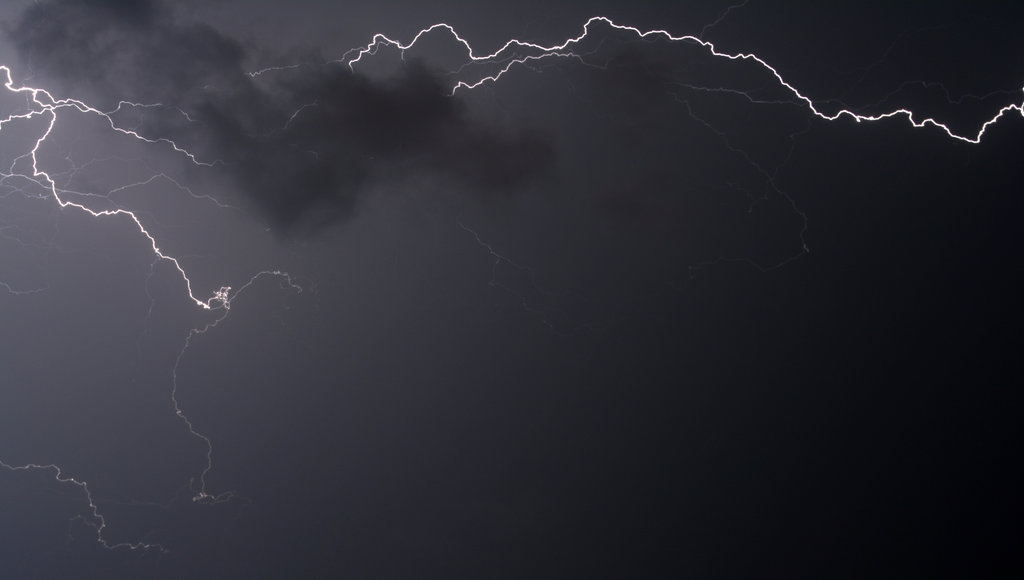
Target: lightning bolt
<point>517,52</point>
<point>43,106</point>
<point>94,519</point>
<point>199,492</point>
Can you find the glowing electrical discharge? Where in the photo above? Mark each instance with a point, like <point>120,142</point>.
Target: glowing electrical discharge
<point>41,104</point>
<point>507,53</point>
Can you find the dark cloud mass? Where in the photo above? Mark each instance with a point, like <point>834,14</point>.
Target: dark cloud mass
<point>681,328</point>
<point>302,143</point>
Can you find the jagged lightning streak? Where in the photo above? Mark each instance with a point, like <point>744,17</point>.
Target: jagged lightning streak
<point>11,290</point>
<point>513,53</point>
<point>199,493</point>
<point>43,105</point>
<point>509,54</point>
<point>517,52</point>
<point>96,519</point>
<point>47,107</point>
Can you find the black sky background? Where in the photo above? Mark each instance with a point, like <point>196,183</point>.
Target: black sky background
<point>553,328</point>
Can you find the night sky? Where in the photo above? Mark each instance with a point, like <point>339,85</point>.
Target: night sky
<point>273,308</point>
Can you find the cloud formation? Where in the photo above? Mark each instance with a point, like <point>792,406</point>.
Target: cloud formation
<point>302,144</point>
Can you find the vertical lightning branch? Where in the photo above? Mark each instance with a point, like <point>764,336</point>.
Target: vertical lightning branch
<point>200,493</point>
<point>45,109</point>
<point>43,106</point>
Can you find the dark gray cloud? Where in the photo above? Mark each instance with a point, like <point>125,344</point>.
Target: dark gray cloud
<point>303,143</point>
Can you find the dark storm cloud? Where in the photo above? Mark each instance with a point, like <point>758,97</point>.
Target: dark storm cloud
<point>301,143</point>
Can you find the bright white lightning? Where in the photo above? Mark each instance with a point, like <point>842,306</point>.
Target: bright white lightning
<point>513,53</point>
<point>509,54</point>
<point>43,105</point>
<point>47,107</point>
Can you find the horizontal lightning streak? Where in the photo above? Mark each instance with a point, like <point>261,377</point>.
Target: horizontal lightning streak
<point>98,522</point>
<point>41,104</point>
<point>16,292</point>
<point>564,50</point>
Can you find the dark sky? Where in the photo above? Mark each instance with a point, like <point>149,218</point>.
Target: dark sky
<point>631,312</point>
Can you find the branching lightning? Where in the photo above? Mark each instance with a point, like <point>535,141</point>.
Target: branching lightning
<point>514,53</point>
<point>94,519</point>
<point>45,106</point>
<point>518,52</point>
<point>199,491</point>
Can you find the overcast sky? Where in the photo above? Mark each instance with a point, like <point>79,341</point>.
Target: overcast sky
<point>629,310</point>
